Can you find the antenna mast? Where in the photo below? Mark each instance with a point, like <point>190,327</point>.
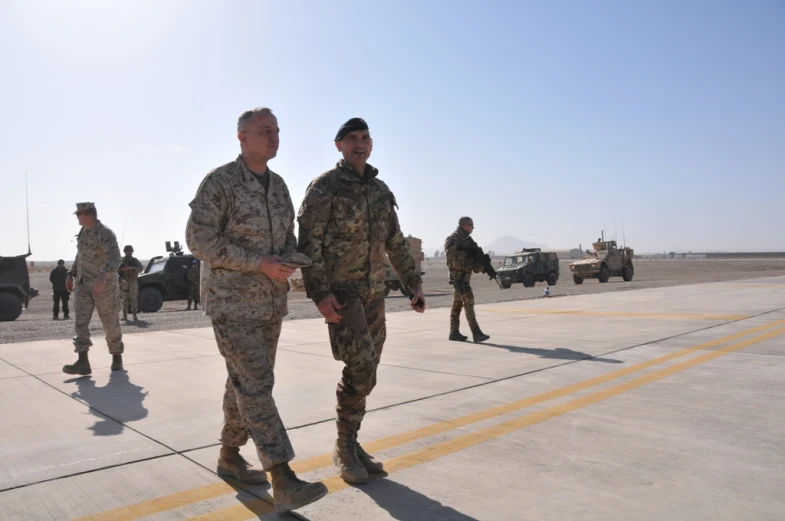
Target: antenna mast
<point>27,211</point>
<point>122,236</point>
<point>615,233</point>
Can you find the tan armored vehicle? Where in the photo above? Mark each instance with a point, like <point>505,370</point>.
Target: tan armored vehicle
<point>607,260</point>
<point>391,281</point>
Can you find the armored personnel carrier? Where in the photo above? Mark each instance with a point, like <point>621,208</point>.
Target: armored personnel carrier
<point>529,266</point>
<point>15,290</point>
<point>606,261</point>
<point>391,281</point>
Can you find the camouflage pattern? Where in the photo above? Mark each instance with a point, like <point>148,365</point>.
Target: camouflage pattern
<point>234,223</point>
<point>249,408</point>
<point>357,341</point>
<point>347,223</point>
<point>462,298</point>
<point>96,252</point>
<point>461,264</point>
<point>129,284</point>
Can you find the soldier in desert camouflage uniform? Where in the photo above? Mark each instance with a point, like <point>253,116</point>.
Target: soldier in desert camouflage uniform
<point>93,281</point>
<point>129,281</point>
<point>241,227</point>
<point>347,223</point>
<point>458,248</point>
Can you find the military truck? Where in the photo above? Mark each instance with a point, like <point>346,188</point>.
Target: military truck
<point>164,279</point>
<point>15,290</point>
<point>529,266</point>
<point>607,260</point>
<point>391,281</point>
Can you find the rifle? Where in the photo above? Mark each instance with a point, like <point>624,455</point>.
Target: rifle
<point>485,261</point>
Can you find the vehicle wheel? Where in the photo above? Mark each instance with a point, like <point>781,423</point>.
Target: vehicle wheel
<point>603,276</point>
<point>528,280</point>
<point>10,307</point>
<point>387,291</point>
<point>577,280</point>
<point>627,273</point>
<point>150,299</point>
<point>552,279</point>
<point>506,284</point>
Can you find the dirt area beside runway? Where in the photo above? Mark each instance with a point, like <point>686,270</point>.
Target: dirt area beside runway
<point>36,322</point>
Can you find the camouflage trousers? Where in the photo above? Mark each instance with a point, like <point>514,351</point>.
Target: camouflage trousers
<point>249,409</point>
<point>357,341</point>
<point>129,293</point>
<point>107,303</point>
<point>462,299</point>
<point>193,294</point>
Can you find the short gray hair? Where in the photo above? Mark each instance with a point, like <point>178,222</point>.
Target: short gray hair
<point>248,115</point>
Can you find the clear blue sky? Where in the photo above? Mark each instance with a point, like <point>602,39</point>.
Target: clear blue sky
<point>542,120</point>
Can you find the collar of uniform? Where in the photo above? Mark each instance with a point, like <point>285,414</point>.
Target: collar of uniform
<point>463,233</point>
<point>247,174</point>
<point>350,174</point>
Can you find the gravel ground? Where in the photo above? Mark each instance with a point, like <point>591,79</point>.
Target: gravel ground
<point>36,322</point>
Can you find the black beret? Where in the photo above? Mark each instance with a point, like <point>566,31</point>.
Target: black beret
<point>350,126</point>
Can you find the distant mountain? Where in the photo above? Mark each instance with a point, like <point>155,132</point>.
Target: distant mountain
<point>509,244</point>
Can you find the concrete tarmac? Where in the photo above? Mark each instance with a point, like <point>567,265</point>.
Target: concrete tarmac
<point>654,404</point>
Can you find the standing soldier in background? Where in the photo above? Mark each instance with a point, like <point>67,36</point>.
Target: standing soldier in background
<point>459,248</point>
<point>242,228</point>
<point>347,223</point>
<point>129,283</point>
<point>60,292</point>
<point>94,282</point>
<point>193,284</point>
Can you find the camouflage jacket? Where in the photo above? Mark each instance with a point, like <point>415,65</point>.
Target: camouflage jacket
<point>234,223</point>
<point>131,275</point>
<point>96,252</point>
<point>458,248</point>
<point>347,223</point>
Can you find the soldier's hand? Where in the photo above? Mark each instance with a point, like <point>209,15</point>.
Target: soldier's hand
<point>69,283</point>
<point>98,285</point>
<point>418,299</point>
<point>329,307</point>
<point>272,267</point>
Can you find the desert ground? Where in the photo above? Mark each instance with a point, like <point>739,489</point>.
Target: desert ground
<point>36,322</point>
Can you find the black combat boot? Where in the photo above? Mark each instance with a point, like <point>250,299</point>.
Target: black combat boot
<point>81,367</point>
<point>117,362</point>
<point>457,336</point>
<point>479,336</point>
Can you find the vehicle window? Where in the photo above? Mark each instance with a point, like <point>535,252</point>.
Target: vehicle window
<point>157,266</point>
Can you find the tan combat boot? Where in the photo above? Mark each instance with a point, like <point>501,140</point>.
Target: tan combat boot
<point>345,456</point>
<point>290,492</point>
<point>232,465</point>
<point>81,367</point>
<point>369,462</point>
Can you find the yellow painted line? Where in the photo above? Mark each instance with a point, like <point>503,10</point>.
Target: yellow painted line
<point>438,450</point>
<point>179,499</point>
<point>626,314</point>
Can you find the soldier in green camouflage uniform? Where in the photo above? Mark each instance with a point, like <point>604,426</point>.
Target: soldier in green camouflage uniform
<point>347,223</point>
<point>93,280</point>
<point>242,229</point>
<point>458,248</point>
<point>129,281</point>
